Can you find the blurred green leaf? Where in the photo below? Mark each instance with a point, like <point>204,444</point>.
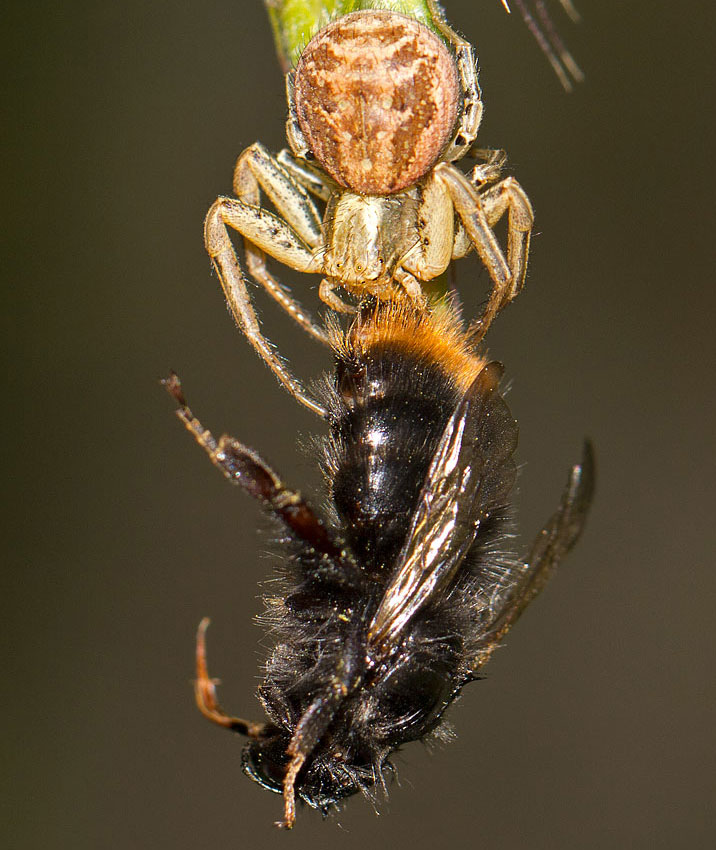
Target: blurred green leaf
<point>295,22</point>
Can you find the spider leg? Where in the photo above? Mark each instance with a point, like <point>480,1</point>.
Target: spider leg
<point>479,211</point>
<point>471,116</point>
<point>411,287</point>
<point>256,169</point>
<point>488,170</point>
<point>327,294</point>
<point>311,177</point>
<point>491,161</point>
<point>509,197</point>
<point>269,232</point>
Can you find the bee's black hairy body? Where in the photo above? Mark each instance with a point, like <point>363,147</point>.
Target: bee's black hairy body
<point>390,402</point>
<point>390,601</point>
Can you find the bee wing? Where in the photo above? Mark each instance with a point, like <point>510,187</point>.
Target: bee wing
<point>552,543</point>
<point>469,475</point>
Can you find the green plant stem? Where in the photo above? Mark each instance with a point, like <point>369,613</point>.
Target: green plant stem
<point>295,22</point>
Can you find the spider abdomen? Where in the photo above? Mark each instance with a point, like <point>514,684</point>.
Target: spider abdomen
<point>377,98</point>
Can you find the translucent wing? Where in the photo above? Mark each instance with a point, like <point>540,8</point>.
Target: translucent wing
<point>554,541</point>
<point>470,474</point>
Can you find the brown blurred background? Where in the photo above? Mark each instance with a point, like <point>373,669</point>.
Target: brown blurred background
<point>595,726</point>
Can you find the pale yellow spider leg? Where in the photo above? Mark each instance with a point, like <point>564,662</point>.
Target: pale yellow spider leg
<point>508,196</point>
<point>267,231</point>
<point>491,161</point>
<point>489,170</point>
<point>435,224</point>
<point>479,211</point>
<point>256,169</point>
<point>311,177</point>
<point>471,116</point>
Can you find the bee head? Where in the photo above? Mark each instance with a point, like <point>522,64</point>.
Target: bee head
<point>324,780</point>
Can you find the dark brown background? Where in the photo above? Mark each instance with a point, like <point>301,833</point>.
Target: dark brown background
<point>595,727</point>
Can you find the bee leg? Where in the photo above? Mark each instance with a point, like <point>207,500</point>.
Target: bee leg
<point>554,541</point>
<point>289,791</point>
<point>205,693</point>
<point>312,726</point>
<point>242,466</point>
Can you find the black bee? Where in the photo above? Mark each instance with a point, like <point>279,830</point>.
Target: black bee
<point>395,598</point>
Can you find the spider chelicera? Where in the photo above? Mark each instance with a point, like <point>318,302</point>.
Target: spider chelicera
<point>380,107</point>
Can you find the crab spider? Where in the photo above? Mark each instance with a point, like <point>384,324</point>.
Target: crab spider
<point>379,109</point>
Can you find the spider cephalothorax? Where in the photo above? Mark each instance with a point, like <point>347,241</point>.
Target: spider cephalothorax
<point>380,106</point>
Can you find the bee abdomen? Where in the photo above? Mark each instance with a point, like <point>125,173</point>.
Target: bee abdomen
<point>392,420</point>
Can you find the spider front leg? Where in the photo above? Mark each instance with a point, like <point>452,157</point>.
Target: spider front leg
<point>257,169</point>
<point>507,196</point>
<point>479,211</point>
<point>288,241</point>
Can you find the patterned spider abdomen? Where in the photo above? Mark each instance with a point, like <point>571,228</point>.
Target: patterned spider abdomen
<point>377,98</point>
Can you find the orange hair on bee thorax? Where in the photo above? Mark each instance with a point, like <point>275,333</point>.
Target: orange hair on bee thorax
<point>434,336</point>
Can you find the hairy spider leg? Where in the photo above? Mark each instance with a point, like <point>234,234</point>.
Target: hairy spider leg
<point>266,233</point>
<point>257,169</point>
<point>479,211</point>
<point>471,115</point>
